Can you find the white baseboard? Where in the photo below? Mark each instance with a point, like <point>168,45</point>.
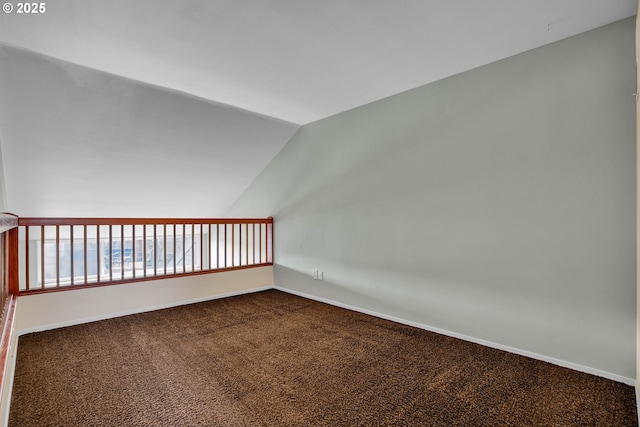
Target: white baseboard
<point>558,362</point>
<point>136,311</point>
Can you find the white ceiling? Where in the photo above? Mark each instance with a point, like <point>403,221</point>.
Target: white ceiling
<point>159,108</point>
<point>298,60</point>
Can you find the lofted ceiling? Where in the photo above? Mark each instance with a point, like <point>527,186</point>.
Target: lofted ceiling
<point>237,78</point>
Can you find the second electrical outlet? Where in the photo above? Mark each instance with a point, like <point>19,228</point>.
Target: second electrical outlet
<point>317,275</point>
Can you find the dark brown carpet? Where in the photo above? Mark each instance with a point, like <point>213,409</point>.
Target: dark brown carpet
<point>273,359</point>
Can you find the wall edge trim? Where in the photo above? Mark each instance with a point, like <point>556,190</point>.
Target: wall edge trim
<point>514,350</point>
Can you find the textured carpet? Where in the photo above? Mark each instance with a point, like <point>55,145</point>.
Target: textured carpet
<point>273,359</point>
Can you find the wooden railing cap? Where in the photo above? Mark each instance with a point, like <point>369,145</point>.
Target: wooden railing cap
<point>138,221</point>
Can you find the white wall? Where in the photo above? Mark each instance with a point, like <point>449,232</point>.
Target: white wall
<point>637,212</point>
<point>497,204</point>
<point>52,310</point>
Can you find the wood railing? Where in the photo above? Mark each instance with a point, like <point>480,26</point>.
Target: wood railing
<point>8,286</point>
<point>64,253</point>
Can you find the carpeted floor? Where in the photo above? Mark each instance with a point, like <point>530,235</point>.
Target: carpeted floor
<point>274,359</point>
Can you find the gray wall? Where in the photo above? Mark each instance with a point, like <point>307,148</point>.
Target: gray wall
<point>498,203</point>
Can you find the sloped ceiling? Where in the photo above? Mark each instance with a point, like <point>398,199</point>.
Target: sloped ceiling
<point>80,142</point>
<point>171,108</point>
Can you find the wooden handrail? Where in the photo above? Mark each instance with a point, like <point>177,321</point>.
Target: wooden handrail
<point>52,221</point>
<point>8,221</point>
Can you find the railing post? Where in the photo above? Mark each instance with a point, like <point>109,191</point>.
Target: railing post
<point>13,276</point>
<point>270,241</point>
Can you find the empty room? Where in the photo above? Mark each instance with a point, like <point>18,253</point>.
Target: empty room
<point>318,213</point>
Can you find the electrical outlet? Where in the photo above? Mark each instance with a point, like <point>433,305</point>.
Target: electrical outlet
<point>315,274</point>
<point>320,274</point>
